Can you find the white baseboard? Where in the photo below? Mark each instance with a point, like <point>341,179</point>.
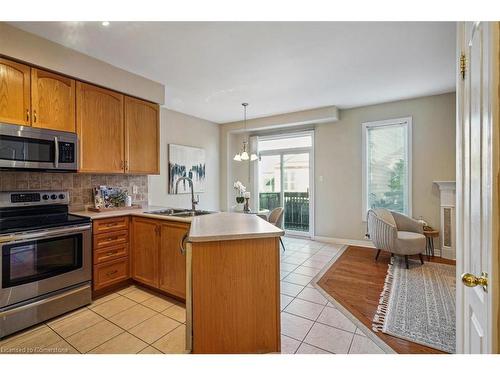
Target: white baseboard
<point>367,243</point>
<point>344,241</point>
<point>446,253</point>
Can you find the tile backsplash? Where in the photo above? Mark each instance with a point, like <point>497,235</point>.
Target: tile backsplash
<point>79,185</point>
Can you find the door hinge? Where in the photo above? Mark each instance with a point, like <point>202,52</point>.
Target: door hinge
<point>463,65</point>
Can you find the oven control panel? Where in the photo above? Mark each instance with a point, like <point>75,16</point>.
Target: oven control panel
<point>33,198</point>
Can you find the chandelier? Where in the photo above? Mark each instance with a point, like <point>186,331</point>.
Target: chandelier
<point>243,155</point>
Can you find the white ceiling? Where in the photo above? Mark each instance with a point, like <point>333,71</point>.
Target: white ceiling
<point>209,68</point>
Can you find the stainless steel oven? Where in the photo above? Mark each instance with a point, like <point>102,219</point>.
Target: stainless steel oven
<point>40,262</point>
<point>24,147</point>
<point>45,260</point>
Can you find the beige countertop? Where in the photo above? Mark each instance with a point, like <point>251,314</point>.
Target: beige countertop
<point>212,227</point>
<point>142,212</point>
<point>230,226</point>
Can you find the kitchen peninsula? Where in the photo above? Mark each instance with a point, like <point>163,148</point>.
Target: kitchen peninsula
<point>224,265</point>
<point>233,291</point>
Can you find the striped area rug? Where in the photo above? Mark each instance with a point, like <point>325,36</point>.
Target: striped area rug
<point>418,304</point>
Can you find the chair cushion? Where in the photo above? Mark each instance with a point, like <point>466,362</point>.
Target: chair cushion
<point>385,215</point>
<point>410,243</point>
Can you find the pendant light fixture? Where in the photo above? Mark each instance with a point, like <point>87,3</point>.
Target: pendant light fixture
<point>243,155</point>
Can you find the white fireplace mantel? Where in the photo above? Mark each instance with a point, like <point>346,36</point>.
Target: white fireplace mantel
<point>448,227</point>
<point>446,185</point>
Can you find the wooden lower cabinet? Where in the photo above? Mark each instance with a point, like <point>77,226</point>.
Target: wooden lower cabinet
<point>172,263</point>
<point>235,296</point>
<point>111,272</point>
<point>110,252</point>
<point>148,251</point>
<point>156,257</point>
<point>144,251</point>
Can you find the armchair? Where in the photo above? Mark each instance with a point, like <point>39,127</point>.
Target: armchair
<point>395,233</point>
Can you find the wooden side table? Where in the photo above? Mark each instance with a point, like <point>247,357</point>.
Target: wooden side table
<point>429,242</point>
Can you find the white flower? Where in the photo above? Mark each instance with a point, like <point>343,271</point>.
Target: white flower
<point>239,187</point>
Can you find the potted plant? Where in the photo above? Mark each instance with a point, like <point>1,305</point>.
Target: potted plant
<point>240,191</point>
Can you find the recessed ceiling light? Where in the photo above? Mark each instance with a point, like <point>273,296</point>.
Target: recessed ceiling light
<point>105,23</point>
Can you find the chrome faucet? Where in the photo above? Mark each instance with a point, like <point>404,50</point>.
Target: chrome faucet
<point>194,202</point>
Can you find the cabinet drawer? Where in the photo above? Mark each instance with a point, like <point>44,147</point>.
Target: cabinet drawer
<point>110,253</point>
<point>111,272</point>
<point>110,225</point>
<point>110,239</point>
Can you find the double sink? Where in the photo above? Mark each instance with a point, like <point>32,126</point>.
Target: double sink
<point>179,212</point>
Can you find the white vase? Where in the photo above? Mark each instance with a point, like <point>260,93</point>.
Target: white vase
<point>238,207</point>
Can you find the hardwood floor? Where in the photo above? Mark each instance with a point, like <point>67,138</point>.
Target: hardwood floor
<point>355,280</point>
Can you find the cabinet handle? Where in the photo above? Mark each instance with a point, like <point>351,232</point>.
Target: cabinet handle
<point>111,273</point>
<point>109,253</point>
<point>181,245</point>
<point>126,165</point>
<point>111,225</point>
<point>112,238</point>
<point>27,115</point>
<point>34,115</point>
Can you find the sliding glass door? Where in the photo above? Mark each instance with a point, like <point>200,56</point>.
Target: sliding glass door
<point>296,191</point>
<point>285,173</point>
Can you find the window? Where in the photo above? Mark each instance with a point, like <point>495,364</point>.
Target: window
<point>387,165</point>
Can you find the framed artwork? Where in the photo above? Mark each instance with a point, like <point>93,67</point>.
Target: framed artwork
<point>186,161</point>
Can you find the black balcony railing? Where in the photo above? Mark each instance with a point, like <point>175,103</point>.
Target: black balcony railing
<point>296,208</point>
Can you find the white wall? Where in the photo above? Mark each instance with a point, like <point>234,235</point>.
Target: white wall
<point>182,129</point>
<point>338,159</point>
<point>338,198</point>
<point>32,49</point>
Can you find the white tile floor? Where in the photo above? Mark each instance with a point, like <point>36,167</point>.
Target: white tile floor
<point>138,321</point>
<point>132,320</point>
<point>309,323</point>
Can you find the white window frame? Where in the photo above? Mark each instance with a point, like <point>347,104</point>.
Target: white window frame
<point>381,123</point>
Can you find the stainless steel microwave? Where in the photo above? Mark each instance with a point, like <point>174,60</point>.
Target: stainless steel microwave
<point>24,147</point>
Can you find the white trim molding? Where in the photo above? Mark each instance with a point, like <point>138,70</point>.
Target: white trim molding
<point>372,124</point>
<point>344,241</point>
<point>366,243</point>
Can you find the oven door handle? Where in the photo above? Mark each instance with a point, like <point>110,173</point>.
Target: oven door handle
<point>43,234</point>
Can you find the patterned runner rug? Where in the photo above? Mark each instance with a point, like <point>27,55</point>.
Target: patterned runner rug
<point>419,304</point>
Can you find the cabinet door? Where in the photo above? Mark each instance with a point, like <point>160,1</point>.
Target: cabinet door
<point>144,250</point>
<point>53,101</point>
<point>99,124</point>
<point>15,103</point>
<point>142,136</point>
<point>172,269</point>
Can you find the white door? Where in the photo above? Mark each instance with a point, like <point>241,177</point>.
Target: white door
<point>477,145</point>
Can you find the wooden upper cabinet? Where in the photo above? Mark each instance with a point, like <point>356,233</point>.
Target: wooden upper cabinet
<point>99,124</point>
<point>144,251</point>
<point>15,103</point>
<point>52,101</point>
<point>172,266</point>
<point>142,138</point>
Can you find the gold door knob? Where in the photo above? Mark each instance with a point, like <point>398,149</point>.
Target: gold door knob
<point>471,280</point>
